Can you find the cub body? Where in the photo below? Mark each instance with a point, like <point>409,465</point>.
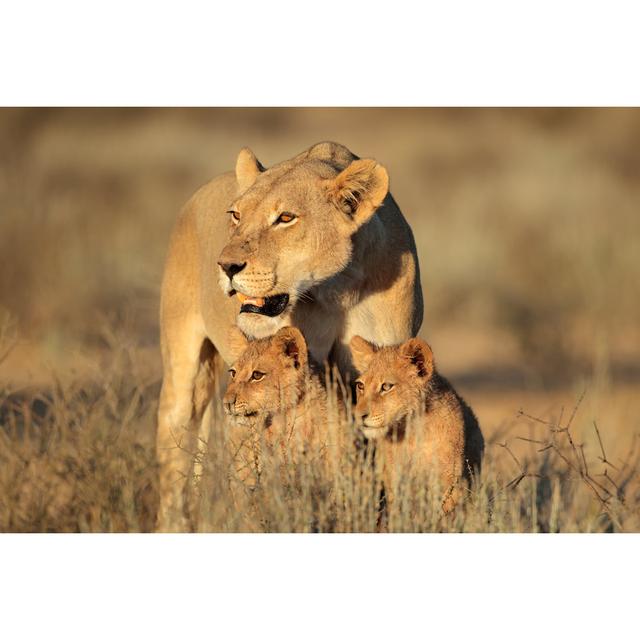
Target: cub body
<point>273,392</point>
<point>415,417</point>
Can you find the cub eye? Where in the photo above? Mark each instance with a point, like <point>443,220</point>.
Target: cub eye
<point>387,386</point>
<point>359,385</point>
<point>257,375</point>
<point>235,216</point>
<point>232,373</point>
<point>285,217</point>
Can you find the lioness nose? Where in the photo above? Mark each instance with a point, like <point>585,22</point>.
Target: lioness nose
<point>363,416</point>
<point>231,268</point>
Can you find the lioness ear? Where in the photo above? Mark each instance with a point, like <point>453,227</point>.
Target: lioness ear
<point>291,343</point>
<point>359,189</point>
<point>248,168</point>
<point>238,342</point>
<point>361,353</point>
<point>419,353</point>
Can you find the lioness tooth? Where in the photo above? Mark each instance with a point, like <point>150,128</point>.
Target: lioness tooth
<point>257,302</point>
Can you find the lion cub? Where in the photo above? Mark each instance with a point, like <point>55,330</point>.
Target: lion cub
<point>415,416</point>
<point>273,391</point>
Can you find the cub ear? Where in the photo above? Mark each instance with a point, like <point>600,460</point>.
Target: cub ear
<point>359,189</point>
<point>238,342</point>
<point>248,168</point>
<point>361,353</point>
<point>291,344</point>
<point>419,354</point>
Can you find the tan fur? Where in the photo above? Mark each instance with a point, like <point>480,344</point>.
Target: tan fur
<point>415,417</point>
<point>287,406</point>
<point>348,263</point>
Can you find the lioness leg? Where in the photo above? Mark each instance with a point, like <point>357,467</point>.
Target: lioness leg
<point>187,388</point>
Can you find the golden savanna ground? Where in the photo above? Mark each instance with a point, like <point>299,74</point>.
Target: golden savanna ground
<point>527,224</point>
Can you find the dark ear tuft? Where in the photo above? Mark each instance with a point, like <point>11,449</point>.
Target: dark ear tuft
<point>292,351</point>
<point>419,353</point>
<point>292,345</point>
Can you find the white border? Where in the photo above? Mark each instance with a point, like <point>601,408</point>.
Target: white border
<point>326,53</point>
<point>286,53</point>
<point>331,586</point>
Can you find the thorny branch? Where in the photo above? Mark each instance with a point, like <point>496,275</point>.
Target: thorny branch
<point>576,461</point>
<point>523,470</point>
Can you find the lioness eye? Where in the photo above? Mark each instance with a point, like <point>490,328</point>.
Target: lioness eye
<point>387,386</point>
<point>235,216</point>
<point>232,373</point>
<point>359,385</point>
<point>285,217</point>
<point>257,375</point>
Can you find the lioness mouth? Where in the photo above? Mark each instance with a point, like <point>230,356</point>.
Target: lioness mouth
<point>269,306</point>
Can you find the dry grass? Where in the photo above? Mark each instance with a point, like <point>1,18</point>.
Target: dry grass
<point>82,458</point>
<point>528,233</point>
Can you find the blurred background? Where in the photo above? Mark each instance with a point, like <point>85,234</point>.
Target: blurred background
<point>527,224</point>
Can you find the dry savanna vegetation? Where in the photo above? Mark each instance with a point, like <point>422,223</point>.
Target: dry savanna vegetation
<point>528,231</point>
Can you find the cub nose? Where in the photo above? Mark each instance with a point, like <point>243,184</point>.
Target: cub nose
<point>363,416</point>
<point>231,268</point>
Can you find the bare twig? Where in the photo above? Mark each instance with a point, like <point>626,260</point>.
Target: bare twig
<point>575,408</point>
<point>572,454</point>
<point>523,470</point>
<point>543,442</point>
<point>522,413</point>
<point>604,455</point>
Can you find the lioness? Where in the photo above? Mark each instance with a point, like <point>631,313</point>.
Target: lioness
<point>415,416</point>
<point>272,388</point>
<point>315,242</point>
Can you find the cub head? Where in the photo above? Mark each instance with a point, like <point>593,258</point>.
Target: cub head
<point>392,384</point>
<point>267,376</point>
<point>291,228</point>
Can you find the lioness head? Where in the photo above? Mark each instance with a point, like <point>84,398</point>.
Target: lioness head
<point>291,228</point>
<point>392,384</point>
<point>267,376</point>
